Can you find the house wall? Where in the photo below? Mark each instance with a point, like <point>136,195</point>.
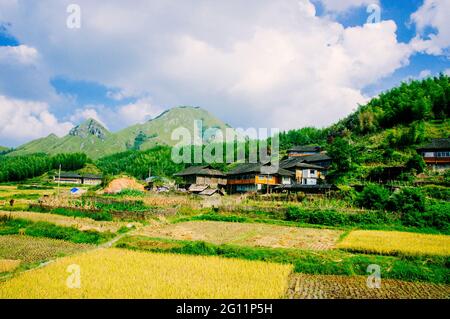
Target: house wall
<point>68,180</point>
<point>92,181</point>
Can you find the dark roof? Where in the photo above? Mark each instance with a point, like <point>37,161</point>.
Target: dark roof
<point>302,161</point>
<point>436,144</point>
<point>305,148</point>
<point>92,176</point>
<point>75,175</point>
<point>316,158</point>
<point>298,162</point>
<point>68,175</point>
<point>258,168</point>
<point>200,170</point>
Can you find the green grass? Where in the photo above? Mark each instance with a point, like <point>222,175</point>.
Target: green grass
<point>243,219</point>
<point>127,193</point>
<point>99,216</point>
<point>48,230</point>
<point>331,262</point>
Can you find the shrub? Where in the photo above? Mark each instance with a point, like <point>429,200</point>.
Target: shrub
<point>407,200</point>
<point>334,218</point>
<point>373,196</point>
<point>44,229</point>
<point>416,163</point>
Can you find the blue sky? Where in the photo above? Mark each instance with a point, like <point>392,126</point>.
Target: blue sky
<point>249,63</point>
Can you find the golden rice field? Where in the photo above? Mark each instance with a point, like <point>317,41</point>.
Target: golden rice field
<point>393,243</point>
<point>8,264</point>
<point>115,273</point>
<point>80,223</point>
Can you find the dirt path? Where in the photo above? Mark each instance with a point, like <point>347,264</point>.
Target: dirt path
<point>303,286</point>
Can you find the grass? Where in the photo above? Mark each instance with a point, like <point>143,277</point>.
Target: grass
<point>83,224</point>
<point>331,262</point>
<point>396,243</point>
<point>243,218</point>
<point>98,216</point>
<point>115,273</point>
<point>45,229</point>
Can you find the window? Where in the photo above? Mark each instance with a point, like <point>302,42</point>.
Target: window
<point>312,171</point>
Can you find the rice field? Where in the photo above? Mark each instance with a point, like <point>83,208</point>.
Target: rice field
<point>246,234</point>
<point>82,224</point>
<point>395,243</point>
<point>8,265</point>
<point>304,286</point>
<point>32,249</point>
<point>115,273</point>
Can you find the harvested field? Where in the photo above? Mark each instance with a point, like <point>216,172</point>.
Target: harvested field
<point>355,287</point>
<point>246,234</point>
<point>77,222</point>
<point>117,273</point>
<point>32,249</point>
<point>395,243</point>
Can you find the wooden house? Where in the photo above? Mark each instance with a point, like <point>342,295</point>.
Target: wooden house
<point>257,177</point>
<point>202,176</point>
<point>436,154</point>
<point>305,174</point>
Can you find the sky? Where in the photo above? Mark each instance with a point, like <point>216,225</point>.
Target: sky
<point>282,64</point>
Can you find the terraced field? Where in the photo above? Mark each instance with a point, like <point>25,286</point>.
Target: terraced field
<point>77,222</point>
<point>246,234</point>
<point>32,249</point>
<point>303,286</point>
<point>117,273</point>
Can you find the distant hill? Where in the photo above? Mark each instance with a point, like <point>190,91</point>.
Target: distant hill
<point>96,141</point>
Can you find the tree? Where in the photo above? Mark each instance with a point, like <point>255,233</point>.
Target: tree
<point>416,163</point>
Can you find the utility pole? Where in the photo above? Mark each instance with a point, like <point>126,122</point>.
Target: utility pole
<point>59,178</point>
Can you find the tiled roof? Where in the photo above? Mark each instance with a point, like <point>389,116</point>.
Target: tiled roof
<point>437,144</point>
<point>200,170</point>
<point>305,148</point>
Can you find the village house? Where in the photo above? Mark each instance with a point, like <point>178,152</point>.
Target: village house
<point>305,174</point>
<point>257,177</point>
<point>436,154</point>
<point>196,177</point>
<point>74,178</point>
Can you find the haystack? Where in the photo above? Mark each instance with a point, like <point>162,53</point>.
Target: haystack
<point>119,184</point>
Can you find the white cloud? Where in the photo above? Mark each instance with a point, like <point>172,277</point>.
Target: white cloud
<point>447,72</point>
<point>260,63</point>
<point>21,121</point>
<point>434,14</point>
<point>81,115</point>
<point>344,5</point>
<point>137,112</point>
<point>21,54</point>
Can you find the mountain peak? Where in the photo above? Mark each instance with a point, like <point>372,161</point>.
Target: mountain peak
<point>89,127</point>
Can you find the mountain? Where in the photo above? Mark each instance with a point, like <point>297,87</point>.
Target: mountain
<point>96,141</point>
